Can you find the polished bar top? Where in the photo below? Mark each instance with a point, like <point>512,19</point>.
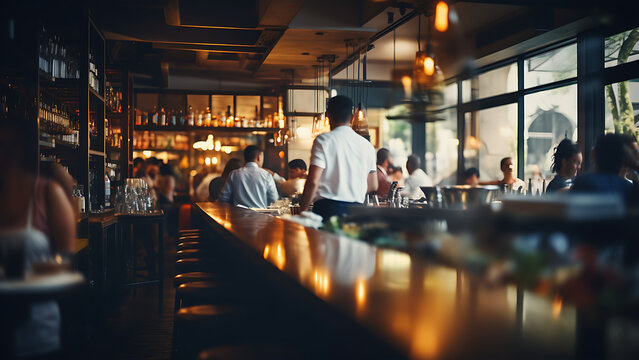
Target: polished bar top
<point>423,309</point>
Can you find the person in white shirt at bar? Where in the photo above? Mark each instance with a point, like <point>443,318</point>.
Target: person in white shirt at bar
<point>416,179</point>
<point>250,186</point>
<point>343,165</point>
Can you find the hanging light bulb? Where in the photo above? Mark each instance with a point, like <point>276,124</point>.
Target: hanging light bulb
<point>359,123</point>
<point>441,16</point>
<point>429,66</point>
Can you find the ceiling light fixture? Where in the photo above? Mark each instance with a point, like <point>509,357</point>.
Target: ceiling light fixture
<point>441,16</point>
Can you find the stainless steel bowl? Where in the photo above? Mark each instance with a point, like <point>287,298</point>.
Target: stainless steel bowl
<point>466,196</point>
<point>433,196</point>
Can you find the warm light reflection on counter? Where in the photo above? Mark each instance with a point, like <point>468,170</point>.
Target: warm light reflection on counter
<point>280,257</point>
<point>360,294</point>
<point>321,282</point>
<point>556,307</point>
<point>394,268</point>
<point>267,250</point>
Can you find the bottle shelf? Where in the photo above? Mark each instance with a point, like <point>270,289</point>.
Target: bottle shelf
<point>159,150</point>
<point>184,128</point>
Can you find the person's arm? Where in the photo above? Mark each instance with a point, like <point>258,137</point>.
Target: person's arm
<point>271,193</point>
<point>310,188</point>
<point>61,218</point>
<point>372,182</point>
<point>225,195</point>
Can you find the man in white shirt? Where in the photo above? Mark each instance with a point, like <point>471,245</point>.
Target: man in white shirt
<point>343,168</point>
<point>250,186</point>
<point>416,179</point>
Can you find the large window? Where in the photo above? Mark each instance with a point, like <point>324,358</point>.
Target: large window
<point>622,48</point>
<point>442,143</point>
<point>550,116</point>
<point>551,66</point>
<point>493,82</point>
<point>622,107</point>
<point>397,135</point>
<point>491,135</point>
<point>441,149</point>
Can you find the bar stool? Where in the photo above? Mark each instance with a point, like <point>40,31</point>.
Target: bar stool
<point>214,292</point>
<point>193,253</point>
<point>180,279</point>
<point>244,352</point>
<point>199,327</point>
<point>189,232</point>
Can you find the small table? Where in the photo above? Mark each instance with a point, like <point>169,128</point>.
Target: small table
<point>15,294</point>
<point>126,221</point>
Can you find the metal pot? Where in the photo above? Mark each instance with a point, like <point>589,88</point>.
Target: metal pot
<point>433,196</point>
<point>466,196</point>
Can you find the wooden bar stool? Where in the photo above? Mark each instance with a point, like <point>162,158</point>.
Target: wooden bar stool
<point>194,265</point>
<point>214,292</point>
<point>193,253</point>
<point>250,352</point>
<point>180,279</point>
<point>199,327</point>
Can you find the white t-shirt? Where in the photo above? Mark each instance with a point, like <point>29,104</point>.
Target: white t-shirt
<point>347,159</point>
<point>414,182</point>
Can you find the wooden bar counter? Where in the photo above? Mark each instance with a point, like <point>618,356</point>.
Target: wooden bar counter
<point>420,309</point>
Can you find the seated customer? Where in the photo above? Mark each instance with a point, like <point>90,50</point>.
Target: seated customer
<point>416,179</point>
<point>611,160</point>
<point>250,186</point>
<point>216,185</point>
<point>296,178</point>
<point>396,174</point>
<point>384,163</point>
<point>471,176</point>
<point>37,219</point>
<point>566,162</point>
<point>506,166</point>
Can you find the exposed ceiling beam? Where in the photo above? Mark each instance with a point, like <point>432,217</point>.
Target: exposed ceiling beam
<point>212,48</point>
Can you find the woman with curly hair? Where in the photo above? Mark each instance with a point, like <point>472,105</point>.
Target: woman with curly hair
<point>566,161</point>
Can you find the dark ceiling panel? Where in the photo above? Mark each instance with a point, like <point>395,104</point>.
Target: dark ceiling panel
<point>149,25</point>
<point>233,14</point>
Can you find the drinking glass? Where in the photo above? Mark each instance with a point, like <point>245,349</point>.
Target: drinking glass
<point>371,200</point>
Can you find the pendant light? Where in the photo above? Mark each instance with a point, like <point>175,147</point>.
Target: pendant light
<point>441,16</point>
<point>424,92</point>
<point>358,120</point>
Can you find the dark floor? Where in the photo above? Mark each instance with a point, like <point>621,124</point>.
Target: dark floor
<point>137,331</point>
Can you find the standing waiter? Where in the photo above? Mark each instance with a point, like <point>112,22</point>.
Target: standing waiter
<point>343,165</point>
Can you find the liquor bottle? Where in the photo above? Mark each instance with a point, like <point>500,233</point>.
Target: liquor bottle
<point>207,117</point>
<point>222,122</point>
<point>214,121</point>
<point>182,118</point>
<point>154,117</point>
<point>173,117</point>
<point>191,116</point>
<point>107,190</point>
<point>162,116</point>
<point>138,118</point>
<point>200,118</point>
